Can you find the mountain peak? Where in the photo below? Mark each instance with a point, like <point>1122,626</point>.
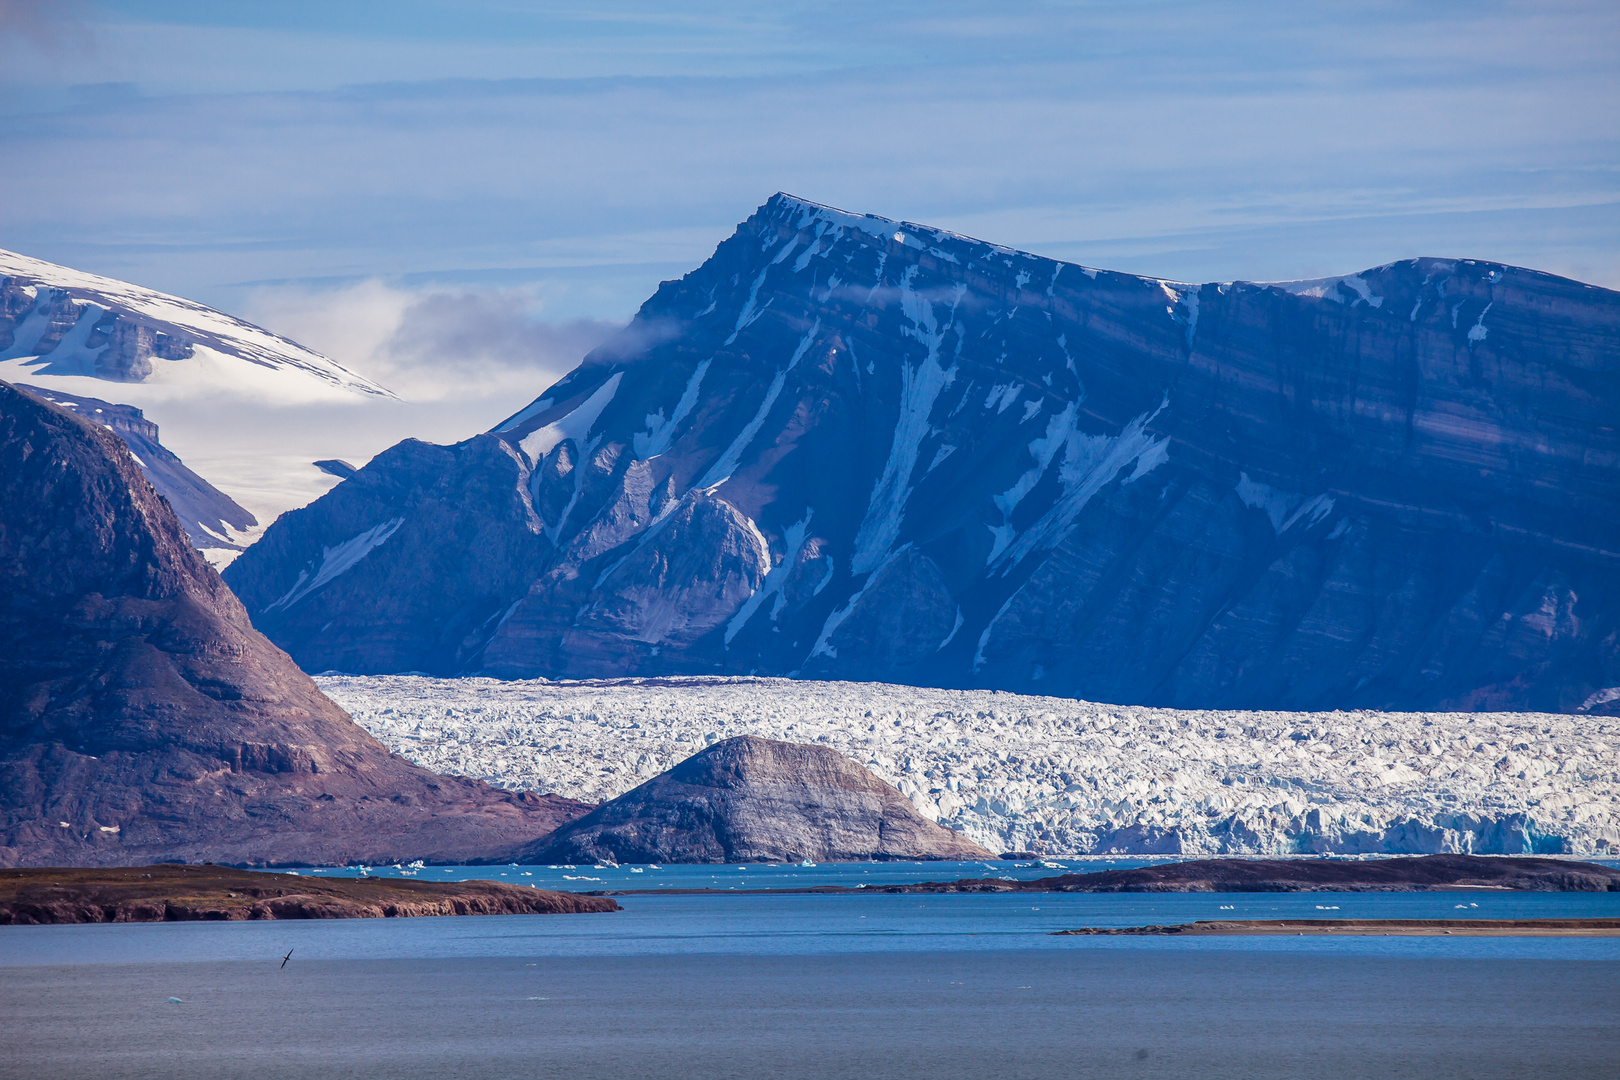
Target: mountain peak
<point>851,447</point>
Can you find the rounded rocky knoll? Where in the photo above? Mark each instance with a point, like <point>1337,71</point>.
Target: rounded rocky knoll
<point>756,800</point>
<point>142,718</point>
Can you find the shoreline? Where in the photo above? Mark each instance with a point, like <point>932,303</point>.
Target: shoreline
<point>175,893</point>
<point>1363,928</point>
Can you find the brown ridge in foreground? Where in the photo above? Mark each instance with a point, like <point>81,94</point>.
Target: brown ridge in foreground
<point>172,893</point>
<point>144,719</point>
<point>1368,928</point>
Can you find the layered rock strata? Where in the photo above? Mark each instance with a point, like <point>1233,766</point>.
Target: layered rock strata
<point>755,800</point>
<point>143,718</point>
<point>855,448</point>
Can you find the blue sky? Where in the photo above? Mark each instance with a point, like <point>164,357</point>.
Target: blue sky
<point>289,160</point>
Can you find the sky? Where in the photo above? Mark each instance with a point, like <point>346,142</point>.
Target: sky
<point>458,199</point>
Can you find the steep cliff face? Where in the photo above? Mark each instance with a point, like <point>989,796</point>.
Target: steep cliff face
<point>848,447</point>
<point>142,717</point>
<point>210,517</point>
<point>756,800</point>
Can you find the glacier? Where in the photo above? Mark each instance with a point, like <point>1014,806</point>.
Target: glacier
<point>1059,776</point>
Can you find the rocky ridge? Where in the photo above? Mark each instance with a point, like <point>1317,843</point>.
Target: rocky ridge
<point>143,718</point>
<point>847,447</point>
<point>749,799</point>
<point>218,527</point>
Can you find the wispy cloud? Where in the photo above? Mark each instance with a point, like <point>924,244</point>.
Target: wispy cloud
<point>467,346</point>
<point>591,151</point>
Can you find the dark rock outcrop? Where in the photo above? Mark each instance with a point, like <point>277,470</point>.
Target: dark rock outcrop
<point>169,893</point>
<point>755,800</point>
<point>207,513</point>
<point>143,718</point>
<point>848,447</point>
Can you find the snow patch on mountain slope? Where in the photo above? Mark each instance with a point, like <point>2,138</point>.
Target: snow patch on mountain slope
<point>1349,288</point>
<point>661,432</point>
<point>1068,777</point>
<point>337,560</point>
<point>793,538</point>
<point>1283,509</point>
<point>1090,463</point>
<point>920,387</point>
<point>1273,502</point>
<point>576,425</point>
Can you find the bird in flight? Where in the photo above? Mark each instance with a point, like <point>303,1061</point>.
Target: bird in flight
<point>286,958</point>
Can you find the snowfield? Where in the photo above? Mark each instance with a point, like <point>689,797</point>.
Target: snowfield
<point>1053,775</point>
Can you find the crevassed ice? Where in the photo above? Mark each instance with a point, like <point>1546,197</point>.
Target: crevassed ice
<point>1020,772</point>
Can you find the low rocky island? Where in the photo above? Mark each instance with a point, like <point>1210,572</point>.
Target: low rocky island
<point>1421,873</point>
<point>1366,928</point>
<point>174,893</point>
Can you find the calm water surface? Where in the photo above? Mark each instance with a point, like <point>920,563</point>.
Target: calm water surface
<point>818,986</point>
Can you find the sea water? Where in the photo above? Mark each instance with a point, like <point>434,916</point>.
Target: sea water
<point>817,985</point>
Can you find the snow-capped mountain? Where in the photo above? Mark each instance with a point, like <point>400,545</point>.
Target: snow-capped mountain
<point>848,447</point>
<point>59,321</point>
<point>213,521</point>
